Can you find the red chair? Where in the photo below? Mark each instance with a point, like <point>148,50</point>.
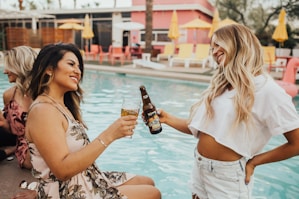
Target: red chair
<point>128,53</point>
<point>272,61</point>
<point>94,51</point>
<point>117,53</point>
<point>102,54</point>
<point>136,52</point>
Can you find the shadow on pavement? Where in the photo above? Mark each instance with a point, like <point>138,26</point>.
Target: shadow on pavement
<point>11,175</point>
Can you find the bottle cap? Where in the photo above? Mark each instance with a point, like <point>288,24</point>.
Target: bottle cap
<point>142,87</point>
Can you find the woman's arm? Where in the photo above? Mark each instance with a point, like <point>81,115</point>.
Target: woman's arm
<point>7,95</point>
<point>3,122</point>
<point>285,151</point>
<point>48,133</point>
<point>173,121</point>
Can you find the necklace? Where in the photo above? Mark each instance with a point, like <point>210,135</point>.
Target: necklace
<point>63,108</point>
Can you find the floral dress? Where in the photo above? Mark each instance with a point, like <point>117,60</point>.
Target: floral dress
<point>16,117</point>
<point>90,183</point>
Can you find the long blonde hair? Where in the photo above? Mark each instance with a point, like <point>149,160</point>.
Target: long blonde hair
<point>19,60</point>
<point>243,61</point>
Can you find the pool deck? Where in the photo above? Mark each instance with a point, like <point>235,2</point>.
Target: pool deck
<point>192,74</point>
<point>11,175</point>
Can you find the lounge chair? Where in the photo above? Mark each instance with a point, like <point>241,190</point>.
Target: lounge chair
<point>167,52</point>
<point>271,61</point>
<point>201,53</point>
<point>295,52</point>
<point>145,61</point>
<point>184,55</point>
<point>282,52</point>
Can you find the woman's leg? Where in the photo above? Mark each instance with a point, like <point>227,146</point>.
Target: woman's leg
<point>140,187</point>
<point>6,138</point>
<point>7,151</point>
<point>140,191</point>
<point>2,155</point>
<point>8,141</point>
<point>140,180</point>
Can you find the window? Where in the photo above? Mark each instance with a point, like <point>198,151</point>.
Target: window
<point>142,38</point>
<point>160,37</point>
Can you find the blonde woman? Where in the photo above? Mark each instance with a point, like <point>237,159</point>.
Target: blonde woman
<point>17,64</point>
<point>235,118</point>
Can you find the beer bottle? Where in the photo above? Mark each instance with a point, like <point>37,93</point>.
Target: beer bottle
<point>150,113</point>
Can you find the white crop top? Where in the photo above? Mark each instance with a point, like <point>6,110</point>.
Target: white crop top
<point>273,114</point>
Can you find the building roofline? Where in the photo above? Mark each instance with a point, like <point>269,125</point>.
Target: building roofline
<point>131,9</point>
<point>15,14</point>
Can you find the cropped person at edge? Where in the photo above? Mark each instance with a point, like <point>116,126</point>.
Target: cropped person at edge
<point>236,116</point>
<point>68,169</point>
<point>17,64</point>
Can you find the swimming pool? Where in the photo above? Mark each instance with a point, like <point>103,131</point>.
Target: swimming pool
<point>168,156</point>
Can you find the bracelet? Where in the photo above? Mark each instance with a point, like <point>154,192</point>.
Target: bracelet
<point>102,142</point>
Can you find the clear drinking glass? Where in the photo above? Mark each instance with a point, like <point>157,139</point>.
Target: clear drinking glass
<point>130,106</point>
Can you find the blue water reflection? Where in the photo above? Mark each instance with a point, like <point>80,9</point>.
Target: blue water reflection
<point>168,156</point>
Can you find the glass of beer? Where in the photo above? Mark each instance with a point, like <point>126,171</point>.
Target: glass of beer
<point>130,106</point>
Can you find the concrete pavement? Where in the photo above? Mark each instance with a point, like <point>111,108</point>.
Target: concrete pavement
<point>10,177</point>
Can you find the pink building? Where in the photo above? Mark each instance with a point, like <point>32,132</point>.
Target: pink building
<point>187,10</point>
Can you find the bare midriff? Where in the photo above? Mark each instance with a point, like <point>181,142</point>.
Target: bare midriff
<point>209,148</point>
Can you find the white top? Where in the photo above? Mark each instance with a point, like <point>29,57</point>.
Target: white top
<point>273,114</point>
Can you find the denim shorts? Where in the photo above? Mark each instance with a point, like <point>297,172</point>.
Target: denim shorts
<point>213,179</point>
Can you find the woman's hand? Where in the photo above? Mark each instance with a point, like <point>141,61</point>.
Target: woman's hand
<point>249,170</point>
<point>162,115</point>
<point>26,194</point>
<point>124,126</point>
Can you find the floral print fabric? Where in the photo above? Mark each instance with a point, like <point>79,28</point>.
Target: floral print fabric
<point>89,184</point>
<point>16,117</point>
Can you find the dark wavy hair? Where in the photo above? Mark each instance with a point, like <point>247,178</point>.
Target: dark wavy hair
<point>48,57</point>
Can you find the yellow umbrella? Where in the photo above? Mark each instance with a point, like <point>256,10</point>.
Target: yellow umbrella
<point>87,32</point>
<point>225,22</point>
<point>196,24</point>
<point>71,26</point>
<point>215,23</point>
<point>173,32</point>
<point>280,34</point>
<point>71,20</point>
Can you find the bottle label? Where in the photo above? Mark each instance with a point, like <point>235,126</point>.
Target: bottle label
<point>153,121</point>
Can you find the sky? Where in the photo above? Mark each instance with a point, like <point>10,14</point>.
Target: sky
<point>103,3</point>
<point>67,3</point>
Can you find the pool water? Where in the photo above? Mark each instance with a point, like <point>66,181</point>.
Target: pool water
<point>166,157</point>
